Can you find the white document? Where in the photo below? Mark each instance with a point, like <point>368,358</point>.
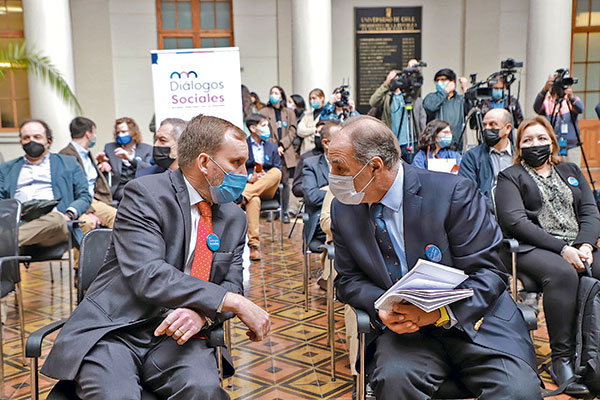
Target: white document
<point>441,164</point>
<point>428,286</point>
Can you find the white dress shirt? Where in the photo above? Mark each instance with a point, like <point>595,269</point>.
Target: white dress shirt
<point>35,181</point>
<point>88,166</point>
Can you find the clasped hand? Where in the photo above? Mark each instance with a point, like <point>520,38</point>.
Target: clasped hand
<point>181,324</point>
<point>406,318</point>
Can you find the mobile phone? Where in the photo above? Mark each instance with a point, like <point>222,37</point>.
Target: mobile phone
<point>258,168</point>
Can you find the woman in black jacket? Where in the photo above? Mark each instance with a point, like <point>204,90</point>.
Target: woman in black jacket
<point>548,206</point>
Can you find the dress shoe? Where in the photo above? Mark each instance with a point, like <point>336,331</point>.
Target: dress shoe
<point>562,368</point>
<point>286,218</point>
<point>322,282</point>
<point>254,253</point>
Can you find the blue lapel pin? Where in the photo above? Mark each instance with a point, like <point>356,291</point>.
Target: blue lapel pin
<point>213,242</point>
<point>433,253</point>
<point>573,181</point>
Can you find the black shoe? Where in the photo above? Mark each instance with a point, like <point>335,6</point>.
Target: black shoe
<point>286,218</point>
<point>269,217</point>
<point>562,369</point>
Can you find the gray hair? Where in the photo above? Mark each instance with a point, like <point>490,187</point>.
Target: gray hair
<point>177,126</point>
<point>372,138</point>
<point>203,134</point>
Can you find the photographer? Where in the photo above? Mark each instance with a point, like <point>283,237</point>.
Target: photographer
<point>446,104</point>
<point>558,104</point>
<point>339,106</point>
<point>500,99</point>
<point>392,104</point>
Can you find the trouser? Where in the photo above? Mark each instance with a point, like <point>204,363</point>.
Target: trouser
<point>414,366</point>
<point>47,230</point>
<point>351,336</point>
<point>265,189</point>
<point>560,281</point>
<point>122,361</point>
<point>288,173</point>
<point>103,211</point>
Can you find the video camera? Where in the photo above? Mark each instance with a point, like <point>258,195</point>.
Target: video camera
<point>511,64</point>
<point>562,81</point>
<point>344,97</point>
<point>483,90</point>
<point>409,81</point>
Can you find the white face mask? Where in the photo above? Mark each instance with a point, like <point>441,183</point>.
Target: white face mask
<point>343,189</point>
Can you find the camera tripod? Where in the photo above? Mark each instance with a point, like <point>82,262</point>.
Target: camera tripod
<point>413,131</point>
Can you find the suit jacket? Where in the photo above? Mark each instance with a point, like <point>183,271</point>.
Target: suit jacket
<point>288,133</point>
<point>101,190</point>
<point>142,150</point>
<point>476,165</point>
<point>297,182</point>
<point>315,175</point>
<point>519,202</point>
<point>69,184</point>
<point>272,159</point>
<point>142,276</point>
<point>153,169</point>
<point>448,212</point>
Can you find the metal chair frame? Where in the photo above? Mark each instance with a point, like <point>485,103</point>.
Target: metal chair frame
<point>267,206</point>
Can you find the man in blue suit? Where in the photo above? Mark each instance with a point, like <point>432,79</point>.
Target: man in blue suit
<point>264,174</point>
<point>41,175</point>
<point>386,216</point>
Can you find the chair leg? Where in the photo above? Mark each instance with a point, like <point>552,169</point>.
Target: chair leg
<point>70,273</point>
<point>306,277</point>
<point>331,320</point>
<point>220,364</point>
<point>19,298</point>
<point>514,275</point>
<point>34,379</point>
<point>51,272</point>
<point>1,355</point>
<point>227,328</point>
<point>272,226</point>
<point>281,230</point>
<point>360,390</point>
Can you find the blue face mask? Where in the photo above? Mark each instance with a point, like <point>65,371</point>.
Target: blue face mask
<point>315,104</point>
<point>274,99</point>
<point>230,189</point>
<point>264,132</point>
<point>92,143</point>
<point>441,85</point>
<point>497,94</point>
<point>445,141</point>
<point>124,140</point>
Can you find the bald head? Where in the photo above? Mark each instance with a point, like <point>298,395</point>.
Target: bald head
<point>500,115</point>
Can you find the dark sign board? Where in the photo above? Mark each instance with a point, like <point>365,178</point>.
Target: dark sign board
<point>386,38</point>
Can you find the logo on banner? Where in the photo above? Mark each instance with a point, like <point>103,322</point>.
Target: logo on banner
<point>180,74</point>
<point>186,89</point>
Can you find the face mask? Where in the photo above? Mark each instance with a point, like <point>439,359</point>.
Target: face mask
<point>93,143</point>
<point>536,156</point>
<point>230,189</point>
<point>497,94</point>
<point>445,141</point>
<point>315,104</point>
<point>265,132</point>
<point>441,85</point>
<point>34,149</point>
<point>124,140</point>
<point>274,99</point>
<point>162,156</point>
<point>319,144</point>
<point>491,137</point>
<point>343,189</point>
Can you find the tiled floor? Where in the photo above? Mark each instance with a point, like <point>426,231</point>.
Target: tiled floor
<point>292,363</point>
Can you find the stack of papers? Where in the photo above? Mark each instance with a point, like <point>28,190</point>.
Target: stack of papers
<point>428,286</point>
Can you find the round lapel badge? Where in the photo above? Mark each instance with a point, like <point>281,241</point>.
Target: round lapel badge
<point>285,124</point>
<point>267,158</point>
<point>213,242</point>
<point>573,181</point>
<point>433,253</point>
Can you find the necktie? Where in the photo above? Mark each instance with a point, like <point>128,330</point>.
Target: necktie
<point>392,262</point>
<point>203,255</point>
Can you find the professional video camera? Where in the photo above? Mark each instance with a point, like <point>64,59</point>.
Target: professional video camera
<point>344,97</point>
<point>562,81</point>
<point>409,81</point>
<point>510,63</point>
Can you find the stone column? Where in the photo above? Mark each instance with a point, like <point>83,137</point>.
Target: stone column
<point>48,32</point>
<point>311,47</point>
<point>548,44</point>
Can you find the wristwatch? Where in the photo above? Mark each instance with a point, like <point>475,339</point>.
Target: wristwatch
<point>70,214</point>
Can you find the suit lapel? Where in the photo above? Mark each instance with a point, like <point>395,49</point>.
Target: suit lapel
<point>14,177</point>
<point>54,172</point>
<point>218,224</point>
<point>323,168</point>
<point>183,199</point>
<point>411,209</point>
<point>377,264</point>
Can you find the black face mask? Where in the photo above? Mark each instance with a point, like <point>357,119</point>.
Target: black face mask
<point>161,155</point>
<point>34,149</point>
<point>536,156</point>
<point>491,136</point>
<point>318,143</point>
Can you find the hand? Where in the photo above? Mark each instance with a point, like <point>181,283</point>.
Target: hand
<point>464,83</point>
<point>335,98</point>
<point>351,106</point>
<point>101,157</point>
<point>392,74</point>
<point>587,249</point>
<point>450,87</point>
<point>65,216</point>
<point>280,150</point>
<point>406,318</point>
<point>104,167</point>
<point>549,83</point>
<point>122,153</point>
<point>573,257</point>
<point>181,324</point>
<point>254,317</point>
<point>569,93</point>
<point>95,220</point>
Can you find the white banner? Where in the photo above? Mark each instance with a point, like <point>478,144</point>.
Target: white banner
<point>197,81</point>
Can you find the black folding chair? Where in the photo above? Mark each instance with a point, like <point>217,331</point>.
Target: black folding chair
<point>273,206</point>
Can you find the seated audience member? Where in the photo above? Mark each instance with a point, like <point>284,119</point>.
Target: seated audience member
<point>335,109</point>
<point>83,138</point>
<point>307,126</point>
<point>447,104</point>
<point>124,156</point>
<point>482,341</point>
<point>41,175</point>
<point>483,163</point>
<point>435,142</point>
<point>500,100</point>
<point>264,174</point>
<point>164,151</point>
<point>548,206</point>
<point>173,271</point>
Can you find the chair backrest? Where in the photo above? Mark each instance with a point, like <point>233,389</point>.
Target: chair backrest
<point>91,257</point>
<point>10,214</point>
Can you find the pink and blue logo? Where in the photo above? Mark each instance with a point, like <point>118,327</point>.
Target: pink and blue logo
<point>188,74</point>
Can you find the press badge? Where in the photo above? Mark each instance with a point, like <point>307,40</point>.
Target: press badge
<point>564,127</point>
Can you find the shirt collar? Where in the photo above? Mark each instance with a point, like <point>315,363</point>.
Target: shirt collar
<point>254,142</point>
<point>42,161</point>
<point>507,150</point>
<point>80,150</point>
<point>195,197</point>
<point>393,197</point>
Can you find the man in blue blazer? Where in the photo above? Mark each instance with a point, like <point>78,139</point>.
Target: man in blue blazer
<point>41,175</point>
<point>386,216</point>
<point>264,174</point>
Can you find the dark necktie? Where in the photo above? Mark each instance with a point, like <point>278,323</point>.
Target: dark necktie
<point>392,262</point>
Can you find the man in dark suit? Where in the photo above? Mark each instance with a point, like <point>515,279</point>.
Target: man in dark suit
<point>101,211</point>
<point>385,217</point>
<point>173,269</point>
<point>264,175</point>
<point>41,175</point>
<point>164,151</point>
